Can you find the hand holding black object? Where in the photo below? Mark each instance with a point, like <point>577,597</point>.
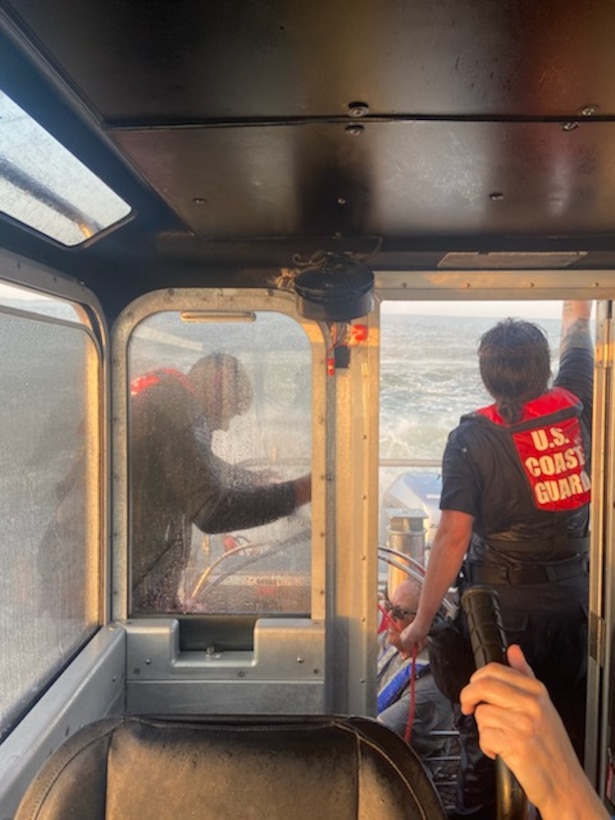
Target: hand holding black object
<point>488,640</point>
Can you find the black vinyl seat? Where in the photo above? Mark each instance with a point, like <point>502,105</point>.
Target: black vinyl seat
<point>244,768</point>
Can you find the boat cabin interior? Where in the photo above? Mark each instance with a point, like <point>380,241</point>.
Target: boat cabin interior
<point>283,182</point>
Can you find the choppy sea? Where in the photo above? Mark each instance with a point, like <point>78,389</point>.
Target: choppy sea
<point>429,378</point>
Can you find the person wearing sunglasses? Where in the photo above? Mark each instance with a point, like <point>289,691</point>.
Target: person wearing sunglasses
<point>409,702</point>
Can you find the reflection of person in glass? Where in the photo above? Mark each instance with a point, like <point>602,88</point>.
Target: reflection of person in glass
<point>177,481</point>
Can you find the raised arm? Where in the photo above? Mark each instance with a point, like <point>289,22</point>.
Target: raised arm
<point>575,324</point>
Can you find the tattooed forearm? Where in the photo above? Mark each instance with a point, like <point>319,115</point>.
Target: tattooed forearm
<point>575,324</point>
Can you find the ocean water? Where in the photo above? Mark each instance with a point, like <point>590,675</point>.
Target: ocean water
<point>429,378</point>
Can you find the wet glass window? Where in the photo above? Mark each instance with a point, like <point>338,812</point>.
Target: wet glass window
<point>47,188</point>
<point>49,498</point>
<point>219,428</point>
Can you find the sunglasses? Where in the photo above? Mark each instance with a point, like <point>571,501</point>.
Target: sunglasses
<point>397,612</point>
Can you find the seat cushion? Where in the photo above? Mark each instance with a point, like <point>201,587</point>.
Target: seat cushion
<point>249,768</point>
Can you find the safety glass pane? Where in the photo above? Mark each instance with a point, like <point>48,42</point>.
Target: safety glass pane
<point>47,188</point>
<point>219,429</point>
<point>49,502</point>
<point>12,296</point>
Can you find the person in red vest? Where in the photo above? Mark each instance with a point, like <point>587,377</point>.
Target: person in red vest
<point>515,514</point>
<point>176,481</point>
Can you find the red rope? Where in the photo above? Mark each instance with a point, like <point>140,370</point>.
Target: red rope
<point>408,732</point>
<point>387,620</point>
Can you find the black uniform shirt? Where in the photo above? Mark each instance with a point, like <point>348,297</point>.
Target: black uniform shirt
<point>483,477</point>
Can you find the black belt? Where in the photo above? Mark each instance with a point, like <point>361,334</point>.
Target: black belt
<point>565,546</point>
<point>525,573</point>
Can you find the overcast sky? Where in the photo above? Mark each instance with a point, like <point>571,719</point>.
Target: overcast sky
<point>524,310</point>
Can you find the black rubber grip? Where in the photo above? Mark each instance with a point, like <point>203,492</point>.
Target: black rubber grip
<point>487,637</point>
<point>482,611</point>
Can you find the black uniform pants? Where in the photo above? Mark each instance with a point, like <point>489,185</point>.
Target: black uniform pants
<point>549,622</point>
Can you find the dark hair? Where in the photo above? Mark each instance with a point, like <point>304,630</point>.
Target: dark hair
<point>230,382</point>
<point>515,365</point>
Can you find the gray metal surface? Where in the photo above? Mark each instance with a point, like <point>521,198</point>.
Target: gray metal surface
<point>284,673</point>
<point>92,687</point>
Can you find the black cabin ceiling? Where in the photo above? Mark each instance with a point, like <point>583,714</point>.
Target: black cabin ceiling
<point>247,132</point>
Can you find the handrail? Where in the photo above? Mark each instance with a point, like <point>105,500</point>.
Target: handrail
<point>410,462</point>
<point>410,559</point>
<point>414,569</point>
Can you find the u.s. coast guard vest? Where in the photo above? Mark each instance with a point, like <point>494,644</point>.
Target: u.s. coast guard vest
<point>549,443</point>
